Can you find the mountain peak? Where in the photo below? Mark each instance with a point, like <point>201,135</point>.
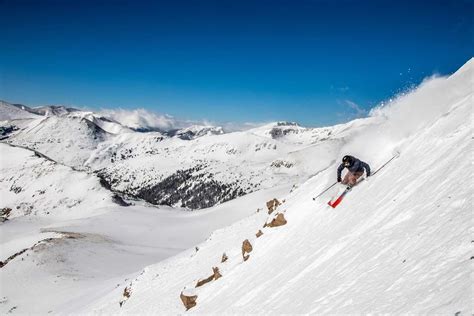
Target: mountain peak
<point>196,131</point>
<point>286,123</point>
<point>53,110</point>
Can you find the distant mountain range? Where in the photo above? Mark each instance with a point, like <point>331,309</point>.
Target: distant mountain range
<point>195,167</point>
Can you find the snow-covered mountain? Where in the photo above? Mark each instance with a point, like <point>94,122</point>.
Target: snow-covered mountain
<point>194,167</point>
<point>206,170</point>
<point>196,131</point>
<point>398,243</point>
<point>9,112</point>
<point>39,187</point>
<point>49,110</point>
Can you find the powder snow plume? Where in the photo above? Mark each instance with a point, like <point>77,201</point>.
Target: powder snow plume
<point>399,119</point>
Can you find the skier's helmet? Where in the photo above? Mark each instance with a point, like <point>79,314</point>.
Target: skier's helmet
<point>347,161</point>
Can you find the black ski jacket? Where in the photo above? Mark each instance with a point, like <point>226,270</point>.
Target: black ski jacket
<point>357,166</point>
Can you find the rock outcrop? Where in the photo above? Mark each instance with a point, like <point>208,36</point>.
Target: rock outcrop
<point>189,301</point>
<point>215,275</point>
<point>279,220</point>
<point>246,248</point>
<point>127,292</point>
<point>272,205</point>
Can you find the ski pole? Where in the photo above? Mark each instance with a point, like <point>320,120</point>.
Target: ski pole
<point>396,156</point>
<point>324,191</point>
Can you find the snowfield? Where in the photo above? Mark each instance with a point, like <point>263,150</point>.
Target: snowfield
<point>78,244</point>
<point>400,242</point>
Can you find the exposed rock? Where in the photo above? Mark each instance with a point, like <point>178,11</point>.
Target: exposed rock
<point>117,199</point>
<point>188,301</point>
<point>5,212</point>
<point>246,248</point>
<point>15,189</point>
<point>127,292</point>
<point>283,129</point>
<point>95,131</point>
<point>272,205</point>
<point>12,309</point>
<point>196,131</point>
<point>259,233</point>
<point>281,163</point>
<point>204,281</point>
<point>215,275</point>
<point>104,181</point>
<point>279,220</point>
<point>224,257</point>
<point>4,263</point>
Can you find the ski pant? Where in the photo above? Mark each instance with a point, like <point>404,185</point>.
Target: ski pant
<point>351,178</point>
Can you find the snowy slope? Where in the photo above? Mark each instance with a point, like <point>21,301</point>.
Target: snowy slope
<point>68,140</point>
<point>399,243</point>
<point>36,186</point>
<point>108,125</point>
<point>49,110</point>
<point>11,112</point>
<point>66,243</point>
<point>66,135</point>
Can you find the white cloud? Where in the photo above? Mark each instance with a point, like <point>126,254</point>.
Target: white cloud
<point>141,118</point>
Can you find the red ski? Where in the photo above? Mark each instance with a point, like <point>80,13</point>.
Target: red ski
<point>339,199</point>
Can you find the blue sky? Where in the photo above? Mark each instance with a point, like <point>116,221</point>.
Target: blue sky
<point>315,62</point>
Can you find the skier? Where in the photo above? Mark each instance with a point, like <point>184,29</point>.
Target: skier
<point>355,169</point>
